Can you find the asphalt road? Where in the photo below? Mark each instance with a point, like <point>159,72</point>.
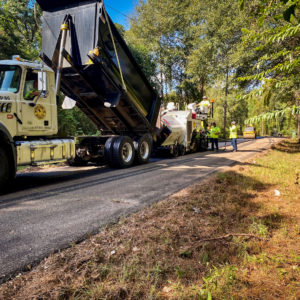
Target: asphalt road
<point>50,210</point>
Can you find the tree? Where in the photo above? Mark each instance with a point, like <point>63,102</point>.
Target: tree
<point>216,36</point>
<point>194,44</point>
<point>19,29</point>
<point>276,37</point>
<point>161,25</point>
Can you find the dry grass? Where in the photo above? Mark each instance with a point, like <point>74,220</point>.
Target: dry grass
<point>290,146</point>
<point>180,248</point>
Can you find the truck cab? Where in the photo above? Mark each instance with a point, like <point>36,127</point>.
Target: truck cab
<point>28,118</point>
<point>27,99</point>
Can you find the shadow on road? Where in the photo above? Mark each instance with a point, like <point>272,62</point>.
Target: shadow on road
<point>100,176</point>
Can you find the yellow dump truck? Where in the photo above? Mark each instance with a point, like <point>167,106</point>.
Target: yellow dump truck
<point>249,132</point>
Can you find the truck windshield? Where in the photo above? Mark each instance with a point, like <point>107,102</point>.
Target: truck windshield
<point>9,78</point>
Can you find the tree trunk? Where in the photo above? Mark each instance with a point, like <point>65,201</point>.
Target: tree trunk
<point>225,103</point>
<point>298,119</point>
<point>297,96</point>
<point>201,88</point>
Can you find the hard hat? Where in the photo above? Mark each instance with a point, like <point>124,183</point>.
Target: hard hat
<point>233,122</point>
<point>204,97</point>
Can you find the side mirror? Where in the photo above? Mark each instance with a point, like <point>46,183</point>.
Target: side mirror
<point>42,82</point>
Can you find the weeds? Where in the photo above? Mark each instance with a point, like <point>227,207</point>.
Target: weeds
<point>257,227</point>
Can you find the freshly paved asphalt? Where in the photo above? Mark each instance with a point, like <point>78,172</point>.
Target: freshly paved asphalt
<point>50,210</point>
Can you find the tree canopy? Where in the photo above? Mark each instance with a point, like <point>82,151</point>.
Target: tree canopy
<point>245,54</point>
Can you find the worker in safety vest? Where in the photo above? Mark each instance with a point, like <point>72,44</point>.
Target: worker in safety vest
<point>32,93</point>
<point>214,136</point>
<point>233,136</point>
<point>204,105</point>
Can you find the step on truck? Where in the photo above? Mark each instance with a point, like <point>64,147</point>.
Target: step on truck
<point>84,58</point>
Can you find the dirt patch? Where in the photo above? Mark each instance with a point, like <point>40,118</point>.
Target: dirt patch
<point>30,169</point>
<point>235,235</point>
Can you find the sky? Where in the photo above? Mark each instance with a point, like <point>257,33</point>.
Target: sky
<point>118,8</point>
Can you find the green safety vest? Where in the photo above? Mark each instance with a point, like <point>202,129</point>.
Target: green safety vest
<point>29,95</point>
<point>233,132</point>
<point>214,132</point>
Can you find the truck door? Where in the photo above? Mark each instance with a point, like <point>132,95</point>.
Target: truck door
<point>35,104</point>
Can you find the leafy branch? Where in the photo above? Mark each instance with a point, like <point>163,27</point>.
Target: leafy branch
<point>294,110</point>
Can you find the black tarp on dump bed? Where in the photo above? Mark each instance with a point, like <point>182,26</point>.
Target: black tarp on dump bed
<point>93,83</point>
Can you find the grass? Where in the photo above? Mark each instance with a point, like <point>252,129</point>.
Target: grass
<point>229,237</point>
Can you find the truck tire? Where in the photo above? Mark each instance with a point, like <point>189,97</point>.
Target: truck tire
<point>123,152</point>
<point>181,150</point>
<point>143,148</point>
<point>4,170</point>
<point>108,150</point>
<point>174,151</point>
<point>203,144</point>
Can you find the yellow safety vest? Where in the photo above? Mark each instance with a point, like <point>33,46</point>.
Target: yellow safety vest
<point>233,132</point>
<point>214,132</point>
<point>29,95</point>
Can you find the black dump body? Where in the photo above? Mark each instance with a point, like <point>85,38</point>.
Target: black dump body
<point>93,79</point>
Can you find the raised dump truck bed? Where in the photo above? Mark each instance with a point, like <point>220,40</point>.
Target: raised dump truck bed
<point>116,96</point>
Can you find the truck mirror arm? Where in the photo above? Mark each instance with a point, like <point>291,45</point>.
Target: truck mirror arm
<point>33,104</point>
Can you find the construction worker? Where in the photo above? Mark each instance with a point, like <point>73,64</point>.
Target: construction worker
<point>33,92</point>
<point>233,136</point>
<point>214,136</point>
<point>204,106</point>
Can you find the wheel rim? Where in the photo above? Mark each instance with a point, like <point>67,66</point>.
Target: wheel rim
<point>144,150</point>
<point>127,152</point>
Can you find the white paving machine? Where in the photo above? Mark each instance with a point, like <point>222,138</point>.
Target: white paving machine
<point>182,131</point>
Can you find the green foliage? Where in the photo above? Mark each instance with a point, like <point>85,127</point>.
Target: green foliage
<point>19,29</point>
<point>275,40</point>
<point>73,122</point>
<point>140,52</point>
<point>295,110</point>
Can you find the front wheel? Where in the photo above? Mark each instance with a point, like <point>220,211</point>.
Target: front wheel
<point>4,170</point>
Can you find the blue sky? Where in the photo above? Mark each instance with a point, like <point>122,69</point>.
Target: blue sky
<point>116,9</point>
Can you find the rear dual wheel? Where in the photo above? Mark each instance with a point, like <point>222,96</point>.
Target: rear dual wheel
<point>119,151</point>
<point>143,147</point>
